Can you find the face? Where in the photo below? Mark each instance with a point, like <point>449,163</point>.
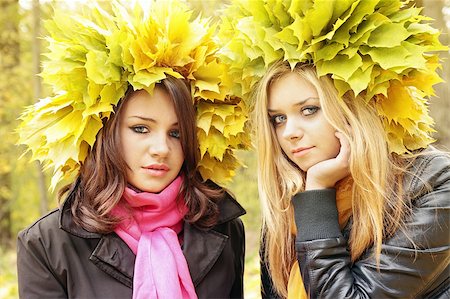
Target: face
<point>302,130</point>
<point>150,141</point>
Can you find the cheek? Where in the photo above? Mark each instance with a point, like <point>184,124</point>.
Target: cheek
<point>127,146</point>
<point>333,146</point>
<point>177,152</point>
<point>280,141</point>
<point>279,138</point>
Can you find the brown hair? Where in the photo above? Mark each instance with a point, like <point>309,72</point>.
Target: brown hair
<point>102,178</point>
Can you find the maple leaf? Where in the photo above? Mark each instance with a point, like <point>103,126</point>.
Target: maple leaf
<point>95,55</point>
<point>364,46</point>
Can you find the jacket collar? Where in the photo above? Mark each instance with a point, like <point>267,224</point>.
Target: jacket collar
<point>201,248</point>
<point>229,209</point>
<point>67,223</point>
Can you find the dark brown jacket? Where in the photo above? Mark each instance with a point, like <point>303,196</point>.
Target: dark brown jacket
<point>58,259</point>
<point>414,261</point>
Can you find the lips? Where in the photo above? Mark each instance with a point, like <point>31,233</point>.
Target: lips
<point>161,167</point>
<point>298,152</point>
<point>156,170</point>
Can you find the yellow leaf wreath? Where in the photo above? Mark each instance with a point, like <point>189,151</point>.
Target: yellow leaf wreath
<point>93,56</point>
<point>382,50</point>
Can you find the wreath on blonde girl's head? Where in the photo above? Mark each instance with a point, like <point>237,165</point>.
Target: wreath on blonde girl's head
<point>93,57</point>
<point>380,50</point>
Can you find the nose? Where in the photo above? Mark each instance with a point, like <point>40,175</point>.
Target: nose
<point>292,130</point>
<point>159,146</point>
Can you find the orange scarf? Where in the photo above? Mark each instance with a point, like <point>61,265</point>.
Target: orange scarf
<point>296,289</point>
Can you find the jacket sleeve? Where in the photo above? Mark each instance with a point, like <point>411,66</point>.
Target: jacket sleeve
<point>413,262</point>
<point>238,243</point>
<point>35,276</point>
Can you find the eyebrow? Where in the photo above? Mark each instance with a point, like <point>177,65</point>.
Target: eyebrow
<point>150,119</point>
<point>297,104</point>
<point>143,118</point>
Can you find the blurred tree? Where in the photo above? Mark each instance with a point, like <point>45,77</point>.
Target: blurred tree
<point>440,104</point>
<point>30,195</point>
<point>19,180</point>
<point>37,84</point>
<point>9,62</point>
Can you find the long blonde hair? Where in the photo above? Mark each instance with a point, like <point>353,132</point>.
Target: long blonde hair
<point>376,194</point>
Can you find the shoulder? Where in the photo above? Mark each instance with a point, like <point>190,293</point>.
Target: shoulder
<point>45,227</point>
<point>44,239</point>
<point>429,173</point>
<point>428,188</point>
<point>237,227</point>
<point>431,164</point>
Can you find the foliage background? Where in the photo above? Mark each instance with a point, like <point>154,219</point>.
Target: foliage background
<point>23,185</point>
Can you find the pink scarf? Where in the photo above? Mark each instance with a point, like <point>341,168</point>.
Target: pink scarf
<point>150,229</point>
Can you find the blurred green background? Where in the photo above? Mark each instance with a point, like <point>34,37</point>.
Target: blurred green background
<point>24,194</point>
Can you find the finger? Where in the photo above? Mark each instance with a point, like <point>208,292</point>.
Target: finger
<point>344,153</point>
<point>345,144</point>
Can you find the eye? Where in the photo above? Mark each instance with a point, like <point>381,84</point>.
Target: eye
<point>140,129</point>
<point>175,134</point>
<point>277,119</point>
<point>309,110</point>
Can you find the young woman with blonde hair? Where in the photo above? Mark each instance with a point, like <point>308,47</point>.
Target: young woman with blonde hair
<point>323,159</point>
<point>355,201</point>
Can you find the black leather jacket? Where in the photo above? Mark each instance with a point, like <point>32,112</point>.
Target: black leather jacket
<point>58,259</point>
<point>414,262</point>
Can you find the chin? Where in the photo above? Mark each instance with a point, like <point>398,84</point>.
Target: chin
<point>305,167</point>
<point>149,188</point>
<point>156,189</point>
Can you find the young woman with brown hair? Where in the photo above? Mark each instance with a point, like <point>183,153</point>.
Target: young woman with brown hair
<point>139,219</point>
<point>140,180</point>
<point>106,168</point>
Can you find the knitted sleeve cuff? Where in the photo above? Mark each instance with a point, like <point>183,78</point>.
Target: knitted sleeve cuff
<point>316,215</point>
